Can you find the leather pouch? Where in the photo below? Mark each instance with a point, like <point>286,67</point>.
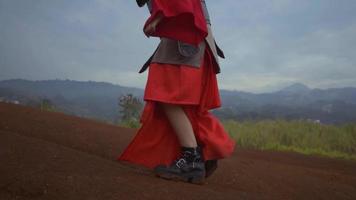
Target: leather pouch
<point>187,50</point>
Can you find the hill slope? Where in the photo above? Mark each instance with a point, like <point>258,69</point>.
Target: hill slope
<point>47,155</point>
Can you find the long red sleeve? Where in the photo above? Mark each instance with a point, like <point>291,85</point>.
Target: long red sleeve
<point>182,20</point>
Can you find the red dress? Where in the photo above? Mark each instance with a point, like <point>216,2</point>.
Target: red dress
<point>196,90</point>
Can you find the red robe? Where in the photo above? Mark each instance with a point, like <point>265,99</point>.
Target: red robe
<point>195,89</point>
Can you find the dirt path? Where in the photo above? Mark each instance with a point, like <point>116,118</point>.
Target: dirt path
<point>47,155</point>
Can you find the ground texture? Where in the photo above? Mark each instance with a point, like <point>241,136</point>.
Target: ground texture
<point>46,155</point>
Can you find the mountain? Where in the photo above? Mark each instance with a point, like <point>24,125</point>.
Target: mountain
<point>295,88</point>
<point>99,100</point>
<point>297,101</point>
<point>89,99</point>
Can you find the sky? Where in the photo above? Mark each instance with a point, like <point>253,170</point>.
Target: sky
<point>268,44</point>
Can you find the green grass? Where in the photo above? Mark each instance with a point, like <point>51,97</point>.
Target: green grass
<point>130,123</point>
<point>298,136</point>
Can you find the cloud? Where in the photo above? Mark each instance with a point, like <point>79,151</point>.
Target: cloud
<point>268,43</point>
<point>280,42</point>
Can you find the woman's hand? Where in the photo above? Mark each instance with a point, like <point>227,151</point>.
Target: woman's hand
<point>151,28</point>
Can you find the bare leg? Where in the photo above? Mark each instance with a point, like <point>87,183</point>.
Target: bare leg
<point>180,124</point>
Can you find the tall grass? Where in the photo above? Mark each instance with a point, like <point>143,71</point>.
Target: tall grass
<point>299,136</point>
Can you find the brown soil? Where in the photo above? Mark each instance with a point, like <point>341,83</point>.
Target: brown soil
<point>46,155</point>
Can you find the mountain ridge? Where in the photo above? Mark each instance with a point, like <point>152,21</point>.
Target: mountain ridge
<point>100,100</point>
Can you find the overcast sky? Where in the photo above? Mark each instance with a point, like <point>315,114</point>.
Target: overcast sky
<point>268,43</point>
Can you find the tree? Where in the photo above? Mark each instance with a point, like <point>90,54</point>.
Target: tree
<point>46,104</point>
<point>131,108</point>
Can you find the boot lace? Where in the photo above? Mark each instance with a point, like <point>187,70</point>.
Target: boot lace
<point>185,157</point>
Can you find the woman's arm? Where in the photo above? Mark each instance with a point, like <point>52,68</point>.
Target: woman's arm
<point>150,29</point>
<point>177,19</point>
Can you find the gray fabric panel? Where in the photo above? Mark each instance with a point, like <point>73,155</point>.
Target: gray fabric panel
<point>205,11</point>
<point>172,52</point>
<point>211,43</point>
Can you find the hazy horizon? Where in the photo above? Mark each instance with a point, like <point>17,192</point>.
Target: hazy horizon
<point>270,91</point>
<point>269,44</point>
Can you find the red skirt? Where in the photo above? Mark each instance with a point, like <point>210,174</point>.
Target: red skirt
<point>196,90</point>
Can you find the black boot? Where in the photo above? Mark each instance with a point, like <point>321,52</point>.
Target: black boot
<point>189,167</point>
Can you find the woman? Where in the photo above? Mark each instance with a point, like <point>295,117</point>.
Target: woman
<point>179,138</point>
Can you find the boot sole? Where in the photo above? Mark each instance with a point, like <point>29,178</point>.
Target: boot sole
<point>199,180</point>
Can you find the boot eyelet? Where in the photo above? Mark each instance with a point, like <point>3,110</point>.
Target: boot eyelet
<point>180,162</point>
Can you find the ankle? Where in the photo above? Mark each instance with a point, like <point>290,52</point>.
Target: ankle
<point>192,154</point>
<point>188,148</point>
<point>193,150</point>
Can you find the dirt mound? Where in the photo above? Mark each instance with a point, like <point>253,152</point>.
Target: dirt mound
<point>46,155</point>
